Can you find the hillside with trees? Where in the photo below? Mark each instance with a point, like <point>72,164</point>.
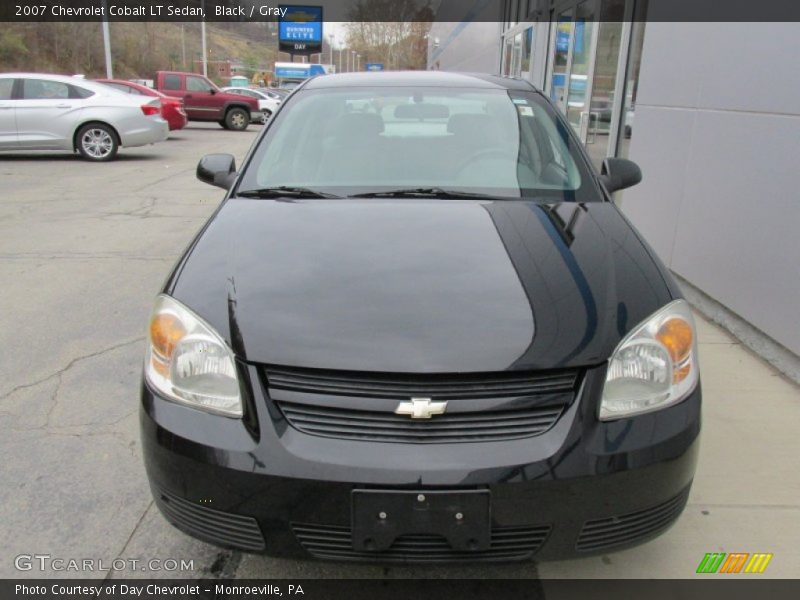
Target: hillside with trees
<point>138,49</point>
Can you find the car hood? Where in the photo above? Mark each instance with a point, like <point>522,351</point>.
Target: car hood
<point>241,98</point>
<point>420,285</point>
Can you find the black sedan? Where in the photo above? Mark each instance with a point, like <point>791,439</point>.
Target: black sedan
<point>419,329</point>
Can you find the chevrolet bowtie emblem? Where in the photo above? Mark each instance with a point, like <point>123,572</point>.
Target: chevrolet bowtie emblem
<point>420,408</point>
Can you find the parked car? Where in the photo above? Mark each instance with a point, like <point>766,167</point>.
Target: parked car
<point>171,108</point>
<point>277,93</point>
<point>420,332</point>
<point>267,103</point>
<point>204,101</point>
<point>54,112</point>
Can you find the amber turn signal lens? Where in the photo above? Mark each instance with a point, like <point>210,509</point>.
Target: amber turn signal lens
<point>166,330</point>
<point>676,335</point>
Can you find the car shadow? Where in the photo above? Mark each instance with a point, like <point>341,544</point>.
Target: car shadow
<point>7,157</point>
<point>257,566</point>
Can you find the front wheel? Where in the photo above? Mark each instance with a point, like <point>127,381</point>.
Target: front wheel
<point>237,119</point>
<point>97,142</point>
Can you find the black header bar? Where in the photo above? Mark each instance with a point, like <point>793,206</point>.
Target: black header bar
<point>380,10</point>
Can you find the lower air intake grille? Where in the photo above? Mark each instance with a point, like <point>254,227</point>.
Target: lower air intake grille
<point>334,542</point>
<point>215,526</point>
<point>625,529</point>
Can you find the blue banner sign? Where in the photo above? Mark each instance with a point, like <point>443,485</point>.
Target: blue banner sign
<point>298,72</point>
<point>287,70</point>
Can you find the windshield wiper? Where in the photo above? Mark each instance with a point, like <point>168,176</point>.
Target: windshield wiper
<point>425,192</point>
<point>285,191</point>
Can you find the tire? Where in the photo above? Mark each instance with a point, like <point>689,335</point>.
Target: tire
<point>237,119</point>
<point>97,142</point>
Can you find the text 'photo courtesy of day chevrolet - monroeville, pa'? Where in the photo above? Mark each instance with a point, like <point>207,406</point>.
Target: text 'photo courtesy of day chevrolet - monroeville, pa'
<point>393,299</point>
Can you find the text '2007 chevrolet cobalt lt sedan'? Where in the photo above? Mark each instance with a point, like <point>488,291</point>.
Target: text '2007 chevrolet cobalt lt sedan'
<point>418,329</point>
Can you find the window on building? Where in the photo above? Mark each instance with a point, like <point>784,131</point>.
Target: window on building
<point>527,50</point>
<point>508,49</point>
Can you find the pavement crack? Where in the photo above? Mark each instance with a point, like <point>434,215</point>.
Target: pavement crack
<point>161,180</point>
<point>130,537</point>
<point>66,368</point>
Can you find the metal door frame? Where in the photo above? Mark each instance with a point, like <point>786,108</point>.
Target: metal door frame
<point>622,78</point>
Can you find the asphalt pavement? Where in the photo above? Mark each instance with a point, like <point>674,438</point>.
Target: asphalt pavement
<point>85,247</point>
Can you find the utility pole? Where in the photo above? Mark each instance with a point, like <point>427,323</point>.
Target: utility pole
<point>203,41</point>
<point>332,40</point>
<point>183,47</point>
<point>107,43</point>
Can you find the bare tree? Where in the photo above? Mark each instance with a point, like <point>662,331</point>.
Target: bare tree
<point>390,31</point>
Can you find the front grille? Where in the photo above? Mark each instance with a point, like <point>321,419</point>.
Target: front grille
<point>360,405</point>
<point>215,526</point>
<point>335,542</point>
<point>407,385</point>
<point>626,529</point>
<point>389,427</point>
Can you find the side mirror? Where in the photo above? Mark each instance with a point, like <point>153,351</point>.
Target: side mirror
<point>217,169</point>
<point>619,173</point>
<point>212,91</point>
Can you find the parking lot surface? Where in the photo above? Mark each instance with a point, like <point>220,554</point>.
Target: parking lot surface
<point>83,250</point>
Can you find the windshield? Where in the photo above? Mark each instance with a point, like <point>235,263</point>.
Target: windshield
<point>358,140</point>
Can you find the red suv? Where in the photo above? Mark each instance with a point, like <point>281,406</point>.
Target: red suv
<point>204,101</point>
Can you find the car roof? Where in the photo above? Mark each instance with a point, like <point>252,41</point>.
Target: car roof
<point>137,86</point>
<point>80,81</point>
<point>418,78</point>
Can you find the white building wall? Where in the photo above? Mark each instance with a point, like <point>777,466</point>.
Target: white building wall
<point>717,134</point>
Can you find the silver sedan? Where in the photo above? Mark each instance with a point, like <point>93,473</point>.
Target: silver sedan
<point>55,112</point>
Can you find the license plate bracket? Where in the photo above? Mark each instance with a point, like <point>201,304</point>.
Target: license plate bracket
<point>379,517</point>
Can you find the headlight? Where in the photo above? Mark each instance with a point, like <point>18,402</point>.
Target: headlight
<point>188,362</point>
<point>655,366</point>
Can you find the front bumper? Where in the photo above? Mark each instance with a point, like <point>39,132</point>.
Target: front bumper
<point>582,487</point>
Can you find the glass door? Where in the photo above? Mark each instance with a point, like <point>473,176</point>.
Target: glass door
<point>609,64</point>
<point>574,37</point>
<point>588,43</point>
<point>561,53</point>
